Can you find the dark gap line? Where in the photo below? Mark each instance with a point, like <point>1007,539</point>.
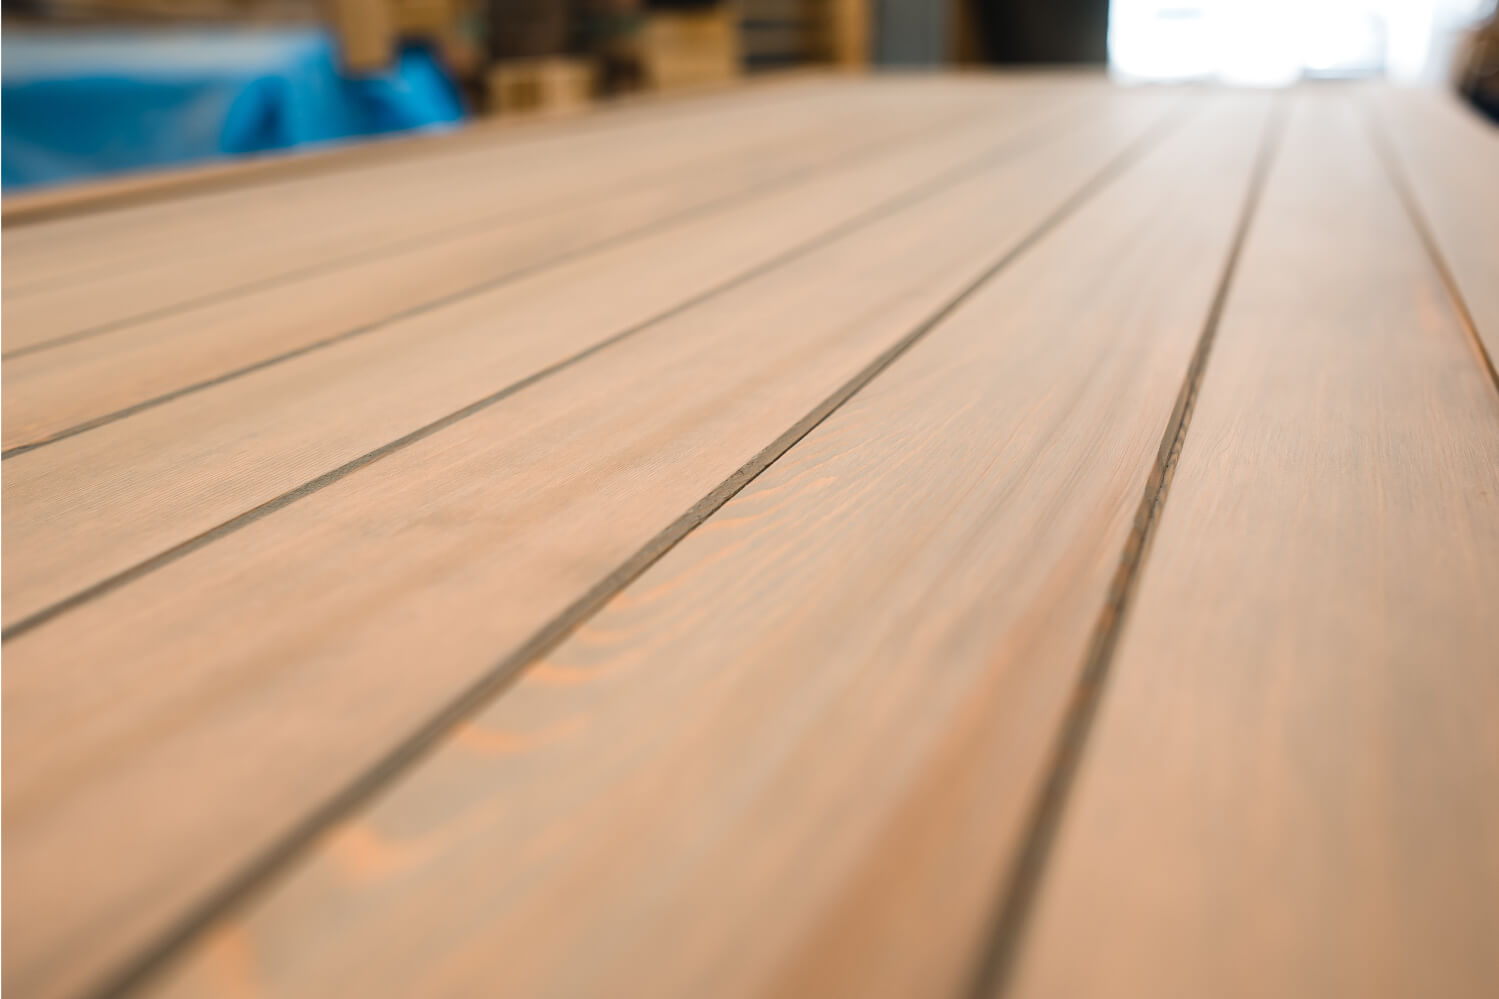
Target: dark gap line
<point>437,238</point>
<point>995,965</point>
<point>416,746</point>
<point>1399,178</point>
<point>491,284</point>
<point>908,198</point>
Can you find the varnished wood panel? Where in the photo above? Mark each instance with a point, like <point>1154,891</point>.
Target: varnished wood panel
<point>1292,788</point>
<point>204,709</point>
<point>284,700</point>
<point>799,749</point>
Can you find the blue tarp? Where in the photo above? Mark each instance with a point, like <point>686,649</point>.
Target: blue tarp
<point>83,104</point>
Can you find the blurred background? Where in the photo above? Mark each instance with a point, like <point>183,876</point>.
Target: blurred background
<point>98,87</point>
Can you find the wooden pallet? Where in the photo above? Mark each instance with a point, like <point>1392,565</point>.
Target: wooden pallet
<point>690,48</point>
<point>555,85</point>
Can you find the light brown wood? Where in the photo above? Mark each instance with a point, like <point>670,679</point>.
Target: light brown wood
<point>202,711</point>
<point>690,47</point>
<point>86,508</point>
<point>366,31</point>
<point>427,663</point>
<point>1293,785</point>
<point>541,86</point>
<point>799,749</point>
<point>51,392</point>
<point>1449,157</point>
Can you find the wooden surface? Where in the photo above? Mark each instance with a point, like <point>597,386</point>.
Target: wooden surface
<point>695,548</point>
<point>1296,769</point>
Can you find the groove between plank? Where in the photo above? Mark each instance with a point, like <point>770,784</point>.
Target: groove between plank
<point>1389,160</point>
<point>1020,888</point>
<point>413,748</point>
<point>490,284</point>
<point>911,197</point>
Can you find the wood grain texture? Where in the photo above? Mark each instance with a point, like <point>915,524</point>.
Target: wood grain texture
<point>799,748</point>
<point>197,714</point>
<point>1449,157</point>
<point>1292,788</point>
<point>50,392</point>
<point>83,509</point>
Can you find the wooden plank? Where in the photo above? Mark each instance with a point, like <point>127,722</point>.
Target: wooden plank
<point>84,509</point>
<point>1448,158</point>
<point>129,265</point>
<point>793,757</point>
<point>201,712</point>
<point>53,392</point>
<point>1292,788</point>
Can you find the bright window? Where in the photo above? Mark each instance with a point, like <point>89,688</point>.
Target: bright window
<point>1273,42</point>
